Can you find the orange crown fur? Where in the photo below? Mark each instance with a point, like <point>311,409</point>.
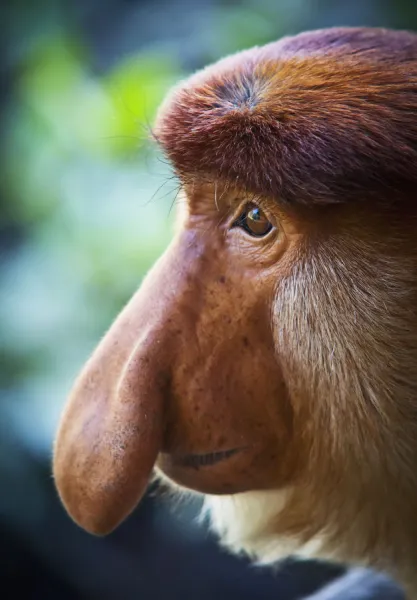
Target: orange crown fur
<point>321,117</point>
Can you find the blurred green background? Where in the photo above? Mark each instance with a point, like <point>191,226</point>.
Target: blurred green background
<point>85,208</point>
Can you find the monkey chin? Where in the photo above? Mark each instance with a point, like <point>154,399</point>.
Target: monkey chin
<point>244,518</point>
<point>241,510</point>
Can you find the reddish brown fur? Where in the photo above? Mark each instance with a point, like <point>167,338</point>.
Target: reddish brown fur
<point>298,349</point>
<point>322,117</point>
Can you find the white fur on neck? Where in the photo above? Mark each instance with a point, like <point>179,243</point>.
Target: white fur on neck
<point>246,523</point>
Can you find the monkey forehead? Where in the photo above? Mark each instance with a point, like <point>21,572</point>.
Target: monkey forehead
<point>321,117</point>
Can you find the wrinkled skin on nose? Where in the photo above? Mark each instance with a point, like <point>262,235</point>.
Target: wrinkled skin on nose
<point>186,379</point>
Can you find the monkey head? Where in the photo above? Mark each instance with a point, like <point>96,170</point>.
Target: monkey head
<point>268,360</point>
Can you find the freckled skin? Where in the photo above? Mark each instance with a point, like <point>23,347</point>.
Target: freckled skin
<point>283,362</point>
<point>182,395</point>
<point>217,403</point>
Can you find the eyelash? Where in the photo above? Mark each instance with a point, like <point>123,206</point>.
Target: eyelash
<point>241,221</point>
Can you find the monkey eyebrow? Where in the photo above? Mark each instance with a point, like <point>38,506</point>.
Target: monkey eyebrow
<point>221,192</point>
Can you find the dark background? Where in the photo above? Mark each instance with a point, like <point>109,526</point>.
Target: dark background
<point>84,211</point>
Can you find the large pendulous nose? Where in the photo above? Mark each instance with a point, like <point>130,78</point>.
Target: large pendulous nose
<point>111,430</point>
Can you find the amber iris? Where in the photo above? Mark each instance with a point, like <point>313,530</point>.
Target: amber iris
<point>254,222</point>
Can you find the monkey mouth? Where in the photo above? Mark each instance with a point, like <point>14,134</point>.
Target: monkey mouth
<point>195,461</point>
<point>219,472</point>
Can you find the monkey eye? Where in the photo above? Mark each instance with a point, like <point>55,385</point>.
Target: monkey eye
<point>254,221</point>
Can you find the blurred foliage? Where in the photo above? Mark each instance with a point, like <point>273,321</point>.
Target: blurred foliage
<point>85,208</point>
<point>85,196</point>
<point>81,179</point>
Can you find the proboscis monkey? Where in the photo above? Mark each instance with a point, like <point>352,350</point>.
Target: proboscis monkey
<point>269,358</point>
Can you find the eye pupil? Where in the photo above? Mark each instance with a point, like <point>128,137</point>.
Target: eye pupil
<point>254,222</point>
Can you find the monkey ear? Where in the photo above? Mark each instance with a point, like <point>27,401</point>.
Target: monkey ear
<point>111,430</point>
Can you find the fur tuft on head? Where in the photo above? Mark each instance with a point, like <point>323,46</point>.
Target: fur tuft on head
<point>316,118</point>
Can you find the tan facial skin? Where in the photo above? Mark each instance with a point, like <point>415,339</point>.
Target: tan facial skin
<point>161,385</point>
<point>285,362</point>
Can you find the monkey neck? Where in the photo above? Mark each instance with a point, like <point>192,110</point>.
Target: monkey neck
<point>303,521</point>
